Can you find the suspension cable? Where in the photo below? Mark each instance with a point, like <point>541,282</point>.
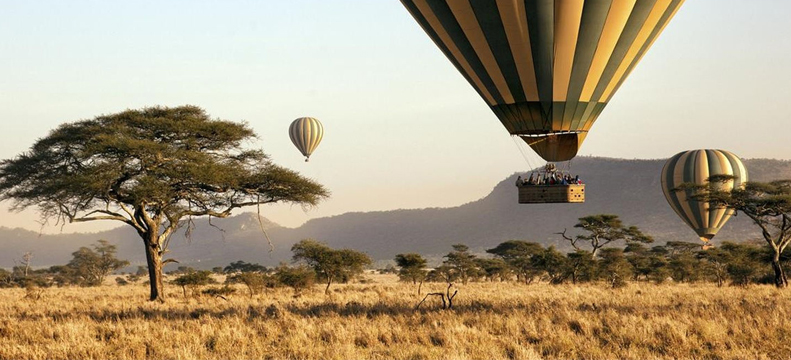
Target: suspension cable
<point>525,155</point>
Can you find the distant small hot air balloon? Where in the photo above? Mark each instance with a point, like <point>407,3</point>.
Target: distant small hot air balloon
<point>306,134</point>
<point>696,166</point>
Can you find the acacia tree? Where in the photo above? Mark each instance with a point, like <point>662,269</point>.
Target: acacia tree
<point>90,266</point>
<point>412,268</point>
<point>768,205</point>
<point>494,268</point>
<point>519,255</point>
<point>153,169</point>
<point>552,262</point>
<point>193,280</point>
<point>330,264</point>
<point>462,262</point>
<point>298,277</point>
<point>243,267</point>
<point>603,229</point>
<point>580,266</point>
<point>614,267</point>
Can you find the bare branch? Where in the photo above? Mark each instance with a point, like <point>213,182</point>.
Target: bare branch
<point>572,241</point>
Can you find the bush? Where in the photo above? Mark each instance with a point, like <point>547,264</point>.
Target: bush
<point>6,279</point>
<point>193,280</point>
<point>254,281</point>
<point>297,278</point>
<point>241,266</point>
<point>614,267</point>
<point>219,291</point>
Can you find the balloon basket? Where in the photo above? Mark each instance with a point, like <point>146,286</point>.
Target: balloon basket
<point>543,194</point>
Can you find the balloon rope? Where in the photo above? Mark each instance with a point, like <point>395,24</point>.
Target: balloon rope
<point>518,141</point>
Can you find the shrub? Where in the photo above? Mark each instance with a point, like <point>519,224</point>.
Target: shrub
<point>219,291</point>
<point>193,280</point>
<point>254,281</point>
<point>297,278</point>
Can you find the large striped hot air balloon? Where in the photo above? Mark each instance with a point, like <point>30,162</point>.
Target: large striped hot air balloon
<point>547,68</point>
<point>696,166</point>
<point>306,134</point>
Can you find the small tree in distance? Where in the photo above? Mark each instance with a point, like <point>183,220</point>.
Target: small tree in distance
<point>412,268</point>
<point>579,266</point>
<point>254,281</point>
<point>89,267</point>
<point>462,263</point>
<point>614,267</point>
<point>553,263</point>
<point>193,280</point>
<point>152,169</point>
<point>602,230</point>
<point>494,269</point>
<point>242,266</point>
<point>298,277</point>
<point>330,264</point>
<point>520,257</point>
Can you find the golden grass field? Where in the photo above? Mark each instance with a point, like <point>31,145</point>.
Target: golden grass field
<point>377,320</point>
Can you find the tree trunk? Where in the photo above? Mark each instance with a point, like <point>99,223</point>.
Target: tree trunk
<point>419,287</point>
<point>154,260</point>
<point>781,281</point>
<point>329,282</point>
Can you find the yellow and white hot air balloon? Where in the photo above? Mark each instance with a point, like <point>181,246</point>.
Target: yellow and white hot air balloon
<point>306,134</point>
<point>696,166</point>
<point>546,68</point>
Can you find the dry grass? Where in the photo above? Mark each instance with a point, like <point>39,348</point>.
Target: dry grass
<point>378,321</point>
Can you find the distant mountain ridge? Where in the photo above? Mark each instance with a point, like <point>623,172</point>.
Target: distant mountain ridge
<point>627,188</point>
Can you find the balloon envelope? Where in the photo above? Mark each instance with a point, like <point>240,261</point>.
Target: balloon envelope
<point>696,166</point>
<point>546,68</point>
<point>306,134</point>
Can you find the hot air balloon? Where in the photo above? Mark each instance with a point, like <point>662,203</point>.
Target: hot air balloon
<point>696,166</point>
<point>306,134</point>
<point>546,68</point>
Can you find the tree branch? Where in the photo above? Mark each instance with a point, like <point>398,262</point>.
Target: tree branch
<point>572,241</point>
<point>766,234</point>
<point>104,217</point>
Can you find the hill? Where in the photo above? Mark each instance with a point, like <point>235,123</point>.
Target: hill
<point>628,188</point>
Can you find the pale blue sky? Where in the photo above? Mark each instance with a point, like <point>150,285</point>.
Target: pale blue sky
<point>403,128</point>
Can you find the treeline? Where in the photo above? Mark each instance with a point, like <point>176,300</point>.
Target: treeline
<point>614,254</point>
<point>528,262</point>
<point>313,262</point>
<point>89,266</point>
<point>605,250</point>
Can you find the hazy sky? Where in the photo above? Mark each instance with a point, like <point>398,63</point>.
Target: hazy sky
<point>403,129</point>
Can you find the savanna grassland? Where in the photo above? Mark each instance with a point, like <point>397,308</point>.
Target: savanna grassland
<point>378,320</point>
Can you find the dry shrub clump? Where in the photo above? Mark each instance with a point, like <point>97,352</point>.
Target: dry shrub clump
<point>378,320</point>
